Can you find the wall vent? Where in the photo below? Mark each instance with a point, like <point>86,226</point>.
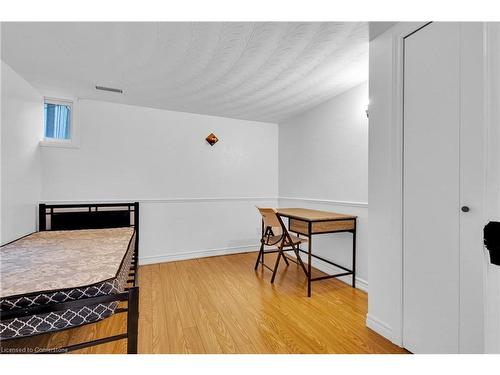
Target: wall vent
<point>110,89</point>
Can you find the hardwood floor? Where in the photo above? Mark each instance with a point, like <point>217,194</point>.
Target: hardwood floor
<point>221,305</point>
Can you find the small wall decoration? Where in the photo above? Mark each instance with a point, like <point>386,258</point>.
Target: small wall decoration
<point>212,139</point>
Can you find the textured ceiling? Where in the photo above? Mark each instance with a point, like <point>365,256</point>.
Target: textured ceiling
<point>256,71</point>
<point>377,28</point>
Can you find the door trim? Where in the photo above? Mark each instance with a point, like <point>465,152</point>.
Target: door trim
<point>402,155</point>
<point>404,29</point>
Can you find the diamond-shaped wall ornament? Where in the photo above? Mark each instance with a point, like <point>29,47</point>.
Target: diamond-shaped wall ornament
<point>212,139</point>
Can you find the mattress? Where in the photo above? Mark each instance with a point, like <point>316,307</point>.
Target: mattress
<point>58,266</point>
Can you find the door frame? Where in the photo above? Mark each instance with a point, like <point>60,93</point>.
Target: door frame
<point>398,34</point>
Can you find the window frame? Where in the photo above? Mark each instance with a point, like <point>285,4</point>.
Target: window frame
<point>57,142</point>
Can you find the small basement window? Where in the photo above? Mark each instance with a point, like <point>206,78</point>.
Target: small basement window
<point>58,115</point>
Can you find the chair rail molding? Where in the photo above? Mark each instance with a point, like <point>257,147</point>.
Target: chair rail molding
<point>326,201</point>
<point>165,200</point>
<point>211,199</point>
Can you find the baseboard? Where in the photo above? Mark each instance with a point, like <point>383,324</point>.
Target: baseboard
<point>380,327</point>
<point>185,255</point>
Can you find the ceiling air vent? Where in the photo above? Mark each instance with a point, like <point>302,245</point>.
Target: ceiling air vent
<point>110,89</point>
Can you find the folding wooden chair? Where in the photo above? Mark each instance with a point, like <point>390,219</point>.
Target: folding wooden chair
<point>274,232</point>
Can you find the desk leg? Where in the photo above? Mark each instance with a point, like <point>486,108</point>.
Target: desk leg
<point>354,256</point>
<point>309,260</point>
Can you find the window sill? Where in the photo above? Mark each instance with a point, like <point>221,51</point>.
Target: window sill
<point>58,144</point>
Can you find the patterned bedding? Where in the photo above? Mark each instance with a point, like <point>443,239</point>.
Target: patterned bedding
<point>58,266</point>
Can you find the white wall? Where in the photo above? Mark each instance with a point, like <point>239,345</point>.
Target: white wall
<point>194,197</point>
<point>323,164</point>
<point>22,129</point>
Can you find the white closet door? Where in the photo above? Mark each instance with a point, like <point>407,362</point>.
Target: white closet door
<point>472,186</point>
<point>431,190</point>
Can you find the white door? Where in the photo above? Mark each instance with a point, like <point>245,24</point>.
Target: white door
<point>442,156</point>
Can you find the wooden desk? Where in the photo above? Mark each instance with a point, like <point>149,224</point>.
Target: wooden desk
<point>310,222</point>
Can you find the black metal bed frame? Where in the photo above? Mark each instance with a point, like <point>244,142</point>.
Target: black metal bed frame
<point>91,216</point>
